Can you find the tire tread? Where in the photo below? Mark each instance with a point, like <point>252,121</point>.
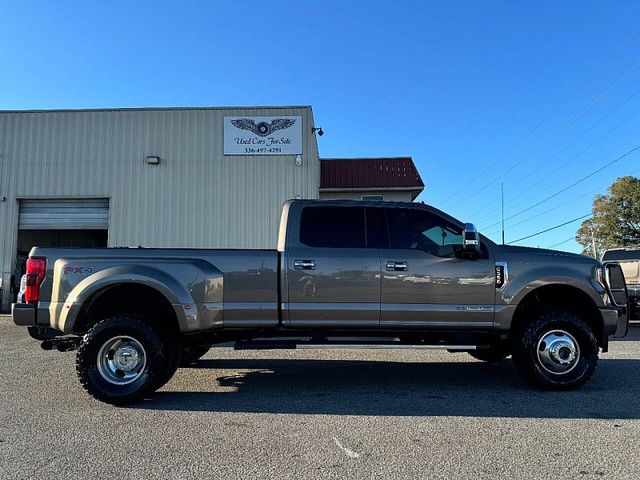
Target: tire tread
<point>521,350</point>
<point>160,349</point>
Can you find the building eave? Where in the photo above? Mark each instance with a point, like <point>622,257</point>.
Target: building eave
<point>373,189</point>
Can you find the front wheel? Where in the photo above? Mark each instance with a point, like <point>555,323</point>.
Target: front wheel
<point>558,351</point>
<point>122,359</point>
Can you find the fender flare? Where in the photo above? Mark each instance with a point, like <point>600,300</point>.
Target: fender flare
<point>165,284</point>
<point>516,291</point>
<point>517,295</point>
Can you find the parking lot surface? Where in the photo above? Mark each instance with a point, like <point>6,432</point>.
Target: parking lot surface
<point>320,414</point>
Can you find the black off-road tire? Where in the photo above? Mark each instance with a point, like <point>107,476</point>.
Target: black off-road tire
<point>159,355</point>
<point>173,363</point>
<point>495,354</point>
<point>192,353</point>
<point>526,358</point>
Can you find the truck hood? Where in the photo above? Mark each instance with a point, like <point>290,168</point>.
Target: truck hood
<point>530,253</point>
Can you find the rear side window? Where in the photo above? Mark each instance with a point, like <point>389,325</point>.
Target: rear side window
<point>333,227</point>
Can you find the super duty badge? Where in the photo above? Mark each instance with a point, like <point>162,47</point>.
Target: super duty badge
<point>501,275</point>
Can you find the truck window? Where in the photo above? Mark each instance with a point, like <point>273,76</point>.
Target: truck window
<point>621,255</point>
<point>422,230</point>
<point>333,227</point>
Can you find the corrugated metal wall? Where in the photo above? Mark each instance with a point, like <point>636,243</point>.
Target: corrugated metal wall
<point>196,197</point>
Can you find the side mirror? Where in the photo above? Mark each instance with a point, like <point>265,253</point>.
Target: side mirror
<point>470,241</point>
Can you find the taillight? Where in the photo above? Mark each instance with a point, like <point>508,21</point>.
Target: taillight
<point>36,268</point>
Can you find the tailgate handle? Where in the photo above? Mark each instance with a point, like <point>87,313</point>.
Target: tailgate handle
<point>304,264</point>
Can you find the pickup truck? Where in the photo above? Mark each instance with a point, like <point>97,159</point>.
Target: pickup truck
<point>345,274</point>
<point>629,260</point>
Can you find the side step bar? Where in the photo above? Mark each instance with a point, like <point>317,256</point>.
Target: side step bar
<point>293,345</point>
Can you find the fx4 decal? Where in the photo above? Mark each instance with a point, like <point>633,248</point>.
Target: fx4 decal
<point>78,270</point>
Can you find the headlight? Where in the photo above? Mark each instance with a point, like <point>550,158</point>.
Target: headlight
<point>598,276</point>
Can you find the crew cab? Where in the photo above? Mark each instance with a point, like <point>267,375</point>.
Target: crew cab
<point>345,273</point>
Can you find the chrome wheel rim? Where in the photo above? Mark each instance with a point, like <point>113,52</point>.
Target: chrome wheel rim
<point>558,352</point>
<point>121,360</point>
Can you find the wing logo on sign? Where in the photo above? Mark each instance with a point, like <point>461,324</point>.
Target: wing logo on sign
<point>263,128</point>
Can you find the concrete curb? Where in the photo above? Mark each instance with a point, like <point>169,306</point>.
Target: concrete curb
<point>5,318</point>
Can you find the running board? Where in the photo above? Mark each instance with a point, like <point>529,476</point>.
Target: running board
<point>294,345</point>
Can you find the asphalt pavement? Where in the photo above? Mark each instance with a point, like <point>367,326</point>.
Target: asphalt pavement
<point>320,414</point>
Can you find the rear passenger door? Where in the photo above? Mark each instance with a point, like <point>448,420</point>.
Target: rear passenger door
<point>333,268</point>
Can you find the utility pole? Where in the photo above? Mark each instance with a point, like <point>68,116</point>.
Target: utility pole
<point>593,244</point>
<point>502,201</point>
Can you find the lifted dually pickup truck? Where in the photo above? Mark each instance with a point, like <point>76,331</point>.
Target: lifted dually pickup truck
<point>352,274</point>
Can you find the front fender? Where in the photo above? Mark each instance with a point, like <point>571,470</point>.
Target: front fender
<point>519,285</point>
<point>515,292</point>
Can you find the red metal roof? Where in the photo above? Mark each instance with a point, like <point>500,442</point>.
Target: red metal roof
<point>355,173</point>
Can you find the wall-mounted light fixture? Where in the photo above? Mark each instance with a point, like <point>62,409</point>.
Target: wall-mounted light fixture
<point>153,160</point>
<point>298,160</point>
<point>317,130</point>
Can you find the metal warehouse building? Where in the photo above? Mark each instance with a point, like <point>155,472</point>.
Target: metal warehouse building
<point>167,177</point>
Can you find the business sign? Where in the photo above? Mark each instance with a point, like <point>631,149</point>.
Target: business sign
<point>263,135</point>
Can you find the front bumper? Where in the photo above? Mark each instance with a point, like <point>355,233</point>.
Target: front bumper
<point>634,302</point>
<point>23,314</point>
<point>615,321</point>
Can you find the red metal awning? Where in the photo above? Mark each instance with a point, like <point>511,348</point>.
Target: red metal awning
<point>366,173</point>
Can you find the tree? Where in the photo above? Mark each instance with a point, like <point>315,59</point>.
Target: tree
<point>616,218</point>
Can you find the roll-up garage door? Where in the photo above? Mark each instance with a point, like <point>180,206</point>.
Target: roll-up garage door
<point>76,214</point>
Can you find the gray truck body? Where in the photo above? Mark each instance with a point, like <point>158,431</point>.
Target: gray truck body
<point>301,287</point>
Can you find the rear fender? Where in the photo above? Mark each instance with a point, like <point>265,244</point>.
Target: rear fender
<point>194,289</point>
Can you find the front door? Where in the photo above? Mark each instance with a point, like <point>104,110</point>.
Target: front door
<point>333,270</point>
<point>424,282</point>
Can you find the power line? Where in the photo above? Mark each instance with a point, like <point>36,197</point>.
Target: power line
<point>600,120</point>
<point>549,229</point>
<point>520,192</point>
<point>573,199</point>
<point>594,102</point>
<point>561,243</point>
<point>603,67</point>
<point>492,232</point>
<point>544,120</point>
<point>569,186</point>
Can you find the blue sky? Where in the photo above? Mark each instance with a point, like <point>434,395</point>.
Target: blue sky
<point>534,94</point>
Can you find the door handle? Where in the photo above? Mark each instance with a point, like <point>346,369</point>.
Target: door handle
<point>397,266</point>
<point>304,264</point>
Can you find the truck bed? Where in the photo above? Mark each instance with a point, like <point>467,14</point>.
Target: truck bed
<point>208,288</point>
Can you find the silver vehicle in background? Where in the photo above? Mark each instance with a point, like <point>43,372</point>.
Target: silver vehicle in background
<point>629,260</point>
<point>344,274</point>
